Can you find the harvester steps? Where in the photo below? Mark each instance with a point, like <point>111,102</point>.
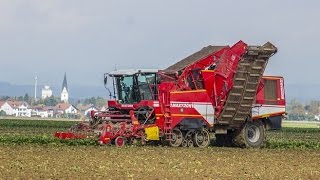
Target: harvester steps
<point>238,87</point>
<point>252,53</point>
<point>255,75</point>
<point>230,109</point>
<point>257,67</point>
<point>227,116</point>
<point>263,56</point>
<point>250,90</point>
<point>240,79</point>
<point>167,123</point>
<point>245,64</point>
<point>233,102</point>
<point>238,119</point>
<point>235,94</point>
<point>248,98</point>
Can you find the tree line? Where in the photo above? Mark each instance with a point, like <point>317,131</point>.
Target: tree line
<point>299,111</point>
<point>53,101</point>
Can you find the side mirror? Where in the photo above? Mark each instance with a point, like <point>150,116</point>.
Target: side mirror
<point>105,80</point>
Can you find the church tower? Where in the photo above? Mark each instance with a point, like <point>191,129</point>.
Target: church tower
<point>64,91</point>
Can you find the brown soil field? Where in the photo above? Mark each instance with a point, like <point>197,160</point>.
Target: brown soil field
<point>151,162</point>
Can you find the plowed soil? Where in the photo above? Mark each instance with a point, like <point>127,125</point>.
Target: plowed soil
<point>147,162</point>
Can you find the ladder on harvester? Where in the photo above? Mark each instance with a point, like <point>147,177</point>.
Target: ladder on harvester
<point>167,127</point>
<point>168,123</point>
<point>245,83</point>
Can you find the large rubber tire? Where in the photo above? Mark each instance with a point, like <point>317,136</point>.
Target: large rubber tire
<point>252,135</point>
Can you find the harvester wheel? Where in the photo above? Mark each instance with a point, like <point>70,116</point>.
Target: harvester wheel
<point>132,141</point>
<point>177,138</point>
<point>190,143</point>
<point>252,135</point>
<point>120,141</point>
<point>184,143</point>
<point>201,138</point>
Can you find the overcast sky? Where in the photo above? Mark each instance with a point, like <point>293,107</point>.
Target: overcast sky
<point>88,38</point>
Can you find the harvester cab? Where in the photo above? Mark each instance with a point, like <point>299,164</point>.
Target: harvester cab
<point>132,86</point>
<point>132,89</point>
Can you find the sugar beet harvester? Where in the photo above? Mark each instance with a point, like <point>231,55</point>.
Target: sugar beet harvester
<point>219,90</point>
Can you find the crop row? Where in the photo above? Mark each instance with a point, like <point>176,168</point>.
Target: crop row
<point>42,140</point>
<point>272,143</point>
<point>42,132</point>
<point>12,123</point>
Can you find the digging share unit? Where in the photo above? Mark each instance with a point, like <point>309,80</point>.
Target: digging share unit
<point>219,90</point>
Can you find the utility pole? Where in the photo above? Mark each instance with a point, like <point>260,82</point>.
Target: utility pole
<point>35,88</point>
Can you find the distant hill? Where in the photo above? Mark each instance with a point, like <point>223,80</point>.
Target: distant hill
<point>75,91</point>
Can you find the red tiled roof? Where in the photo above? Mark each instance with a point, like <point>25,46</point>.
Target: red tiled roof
<point>85,107</point>
<point>1,103</point>
<point>47,108</point>
<point>14,104</point>
<point>63,106</point>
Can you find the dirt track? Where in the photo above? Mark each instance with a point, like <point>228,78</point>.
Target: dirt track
<point>157,162</point>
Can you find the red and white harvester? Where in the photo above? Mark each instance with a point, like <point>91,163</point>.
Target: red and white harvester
<point>219,90</point>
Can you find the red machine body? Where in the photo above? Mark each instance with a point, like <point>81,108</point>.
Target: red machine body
<point>219,90</point>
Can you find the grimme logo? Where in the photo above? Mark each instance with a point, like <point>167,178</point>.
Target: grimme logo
<point>127,105</point>
<point>181,105</point>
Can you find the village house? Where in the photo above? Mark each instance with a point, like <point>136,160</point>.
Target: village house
<point>16,108</point>
<point>2,112</point>
<point>42,111</point>
<point>9,108</point>
<point>66,108</point>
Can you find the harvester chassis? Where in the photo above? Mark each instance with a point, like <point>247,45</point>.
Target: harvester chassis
<point>238,69</point>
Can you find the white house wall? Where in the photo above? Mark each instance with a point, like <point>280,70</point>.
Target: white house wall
<point>23,111</point>
<point>71,110</point>
<point>8,109</point>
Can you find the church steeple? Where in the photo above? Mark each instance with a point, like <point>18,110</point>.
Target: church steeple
<point>65,84</point>
<point>64,91</point>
